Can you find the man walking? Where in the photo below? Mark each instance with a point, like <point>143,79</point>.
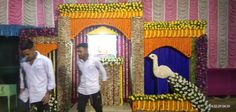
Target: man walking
<point>39,77</point>
<point>89,87</point>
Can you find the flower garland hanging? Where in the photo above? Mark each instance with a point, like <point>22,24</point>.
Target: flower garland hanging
<point>180,28</point>
<point>201,63</point>
<point>110,10</point>
<point>112,61</point>
<point>101,8</point>
<point>176,25</point>
<point>29,33</point>
<point>190,91</point>
<point>139,97</point>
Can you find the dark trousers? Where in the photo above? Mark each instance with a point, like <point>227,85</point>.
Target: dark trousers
<point>22,106</point>
<point>40,107</point>
<point>95,99</point>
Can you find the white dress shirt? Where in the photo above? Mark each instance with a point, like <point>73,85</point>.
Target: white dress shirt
<point>89,75</point>
<point>39,76</point>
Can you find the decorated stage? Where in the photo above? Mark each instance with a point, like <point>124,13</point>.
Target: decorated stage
<point>180,45</point>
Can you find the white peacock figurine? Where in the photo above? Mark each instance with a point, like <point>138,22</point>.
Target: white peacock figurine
<point>181,85</point>
<point>161,71</point>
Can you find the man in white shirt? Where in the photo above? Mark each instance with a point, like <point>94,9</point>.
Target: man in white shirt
<point>39,76</point>
<point>89,87</point>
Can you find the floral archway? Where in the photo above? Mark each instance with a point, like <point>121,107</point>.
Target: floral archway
<point>127,17</point>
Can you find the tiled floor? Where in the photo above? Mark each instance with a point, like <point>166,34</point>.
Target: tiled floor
<point>124,108</point>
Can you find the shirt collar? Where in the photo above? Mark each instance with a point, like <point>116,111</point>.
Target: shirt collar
<point>38,55</point>
<point>89,58</point>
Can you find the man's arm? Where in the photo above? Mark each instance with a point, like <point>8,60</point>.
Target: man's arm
<point>51,81</point>
<point>50,75</point>
<point>22,86</point>
<point>102,70</point>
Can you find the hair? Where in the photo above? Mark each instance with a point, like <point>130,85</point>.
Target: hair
<point>26,44</point>
<point>83,45</point>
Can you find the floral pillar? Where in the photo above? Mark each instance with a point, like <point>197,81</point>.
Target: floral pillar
<point>137,52</point>
<point>64,62</point>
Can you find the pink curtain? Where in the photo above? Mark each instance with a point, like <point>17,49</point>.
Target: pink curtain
<point>123,50</point>
<point>147,10</point>
<point>40,13</point>
<point>232,34</point>
<point>213,18</point>
<point>193,9</point>
<point>15,12</point>
<point>170,10</point>
<point>56,3</point>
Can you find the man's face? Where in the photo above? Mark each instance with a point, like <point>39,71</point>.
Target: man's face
<point>82,52</point>
<point>29,54</point>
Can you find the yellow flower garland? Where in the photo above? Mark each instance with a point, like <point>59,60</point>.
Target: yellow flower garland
<point>112,10</point>
<point>181,28</point>
<point>176,25</point>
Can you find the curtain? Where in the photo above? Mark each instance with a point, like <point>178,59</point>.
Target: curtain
<point>166,56</point>
<point>124,50</point>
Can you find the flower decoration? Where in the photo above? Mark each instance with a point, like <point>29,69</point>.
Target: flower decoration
<point>190,91</point>
<point>29,33</point>
<point>181,28</point>
<point>110,10</point>
<point>201,62</point>
<point>139,97</point>
<point>112,61</point>
<point>100,8</point>
<point>176,25</point>
<point>52,104</point>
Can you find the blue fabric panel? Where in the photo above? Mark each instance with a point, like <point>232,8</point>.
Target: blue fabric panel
<point>166,56</point>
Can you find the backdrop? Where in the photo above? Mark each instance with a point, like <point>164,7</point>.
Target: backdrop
<point>166,56</point>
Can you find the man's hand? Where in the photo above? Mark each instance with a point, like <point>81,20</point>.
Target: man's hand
<point>46,98</point>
